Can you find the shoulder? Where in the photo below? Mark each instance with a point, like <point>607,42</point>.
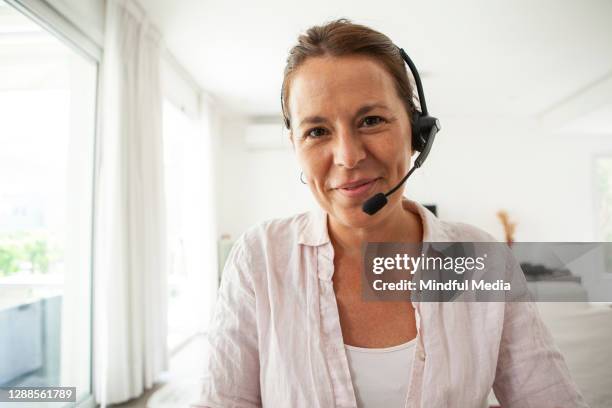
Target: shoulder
<point>275,229</point>
<point>438,230</point>
<point>266,243</point>
<point>274,234</point>
<point>265,249</point>
<point>463,232</point>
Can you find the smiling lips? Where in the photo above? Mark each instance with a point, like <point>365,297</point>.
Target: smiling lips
<point>357,188</point>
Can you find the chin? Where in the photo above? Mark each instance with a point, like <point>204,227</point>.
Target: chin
<point>355,217</point>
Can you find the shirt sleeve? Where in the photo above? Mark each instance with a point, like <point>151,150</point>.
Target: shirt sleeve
<point>231,377</point>
<point>531,371</point>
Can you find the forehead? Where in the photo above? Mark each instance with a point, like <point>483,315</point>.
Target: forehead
<point>339,83</point>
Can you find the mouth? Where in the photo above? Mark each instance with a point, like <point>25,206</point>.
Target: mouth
<point>357,188</point>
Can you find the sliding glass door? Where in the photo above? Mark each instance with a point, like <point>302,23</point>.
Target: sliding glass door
<point>47,133</point>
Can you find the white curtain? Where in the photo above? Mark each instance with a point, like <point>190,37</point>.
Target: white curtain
<point>130,251</point>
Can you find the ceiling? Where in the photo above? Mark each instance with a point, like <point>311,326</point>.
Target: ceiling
<point>485,57</point>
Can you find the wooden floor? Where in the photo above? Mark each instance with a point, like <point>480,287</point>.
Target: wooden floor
<point>186,365</point>
<point>142,401</point>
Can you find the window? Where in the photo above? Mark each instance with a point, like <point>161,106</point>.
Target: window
<point>47,103</point>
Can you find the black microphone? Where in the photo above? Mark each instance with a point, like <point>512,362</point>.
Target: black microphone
<point>373,204</point>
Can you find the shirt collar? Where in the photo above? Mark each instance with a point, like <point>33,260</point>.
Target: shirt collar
<point>313,229</point>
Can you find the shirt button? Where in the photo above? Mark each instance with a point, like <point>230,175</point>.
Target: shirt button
<point>422,355</point>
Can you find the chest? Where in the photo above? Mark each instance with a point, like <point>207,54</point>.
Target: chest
<point>310,348</point>
<point>371,324</point>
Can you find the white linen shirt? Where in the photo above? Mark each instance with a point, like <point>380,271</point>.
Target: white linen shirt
<point>275,338</point>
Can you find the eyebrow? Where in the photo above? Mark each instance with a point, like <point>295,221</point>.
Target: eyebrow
<point>316,119</point>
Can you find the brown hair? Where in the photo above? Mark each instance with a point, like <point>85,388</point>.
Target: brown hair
<point>342,37</point>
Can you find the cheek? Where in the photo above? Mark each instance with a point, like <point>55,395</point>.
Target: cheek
<point>391,151</point>
<point>314,162</point>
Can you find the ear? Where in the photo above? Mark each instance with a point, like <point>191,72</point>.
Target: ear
<point>290,133</point>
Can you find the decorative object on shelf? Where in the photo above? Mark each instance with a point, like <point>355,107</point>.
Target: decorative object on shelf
<point>509,226</point>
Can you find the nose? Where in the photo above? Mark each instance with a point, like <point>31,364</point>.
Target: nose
<point>349,149</point>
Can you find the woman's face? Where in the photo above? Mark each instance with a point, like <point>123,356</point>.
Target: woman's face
<point>351,134</point>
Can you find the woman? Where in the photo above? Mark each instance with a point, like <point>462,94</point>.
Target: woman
<point>290,327</point>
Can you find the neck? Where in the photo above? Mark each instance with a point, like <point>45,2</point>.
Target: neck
<point>399,225</point>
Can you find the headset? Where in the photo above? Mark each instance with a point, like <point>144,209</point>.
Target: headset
<point>424,129</point>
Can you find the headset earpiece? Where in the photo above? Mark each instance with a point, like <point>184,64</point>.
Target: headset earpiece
<point>418,142</point>
<point>422,123</point>
<point>421,130</point>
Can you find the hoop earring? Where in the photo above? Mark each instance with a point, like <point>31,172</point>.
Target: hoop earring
<point>302,177</point>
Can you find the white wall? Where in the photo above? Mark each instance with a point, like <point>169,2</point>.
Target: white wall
<point>476,167</point>
<point>543,180</point>
<point>254,185</point>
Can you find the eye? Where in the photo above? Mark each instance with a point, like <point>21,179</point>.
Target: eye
<point>370,121</point>
<point>315,132</point>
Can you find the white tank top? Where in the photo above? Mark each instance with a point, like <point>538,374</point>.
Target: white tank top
<point>380,375</point>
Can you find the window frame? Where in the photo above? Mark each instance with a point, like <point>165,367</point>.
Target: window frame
<point>56,24</point>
